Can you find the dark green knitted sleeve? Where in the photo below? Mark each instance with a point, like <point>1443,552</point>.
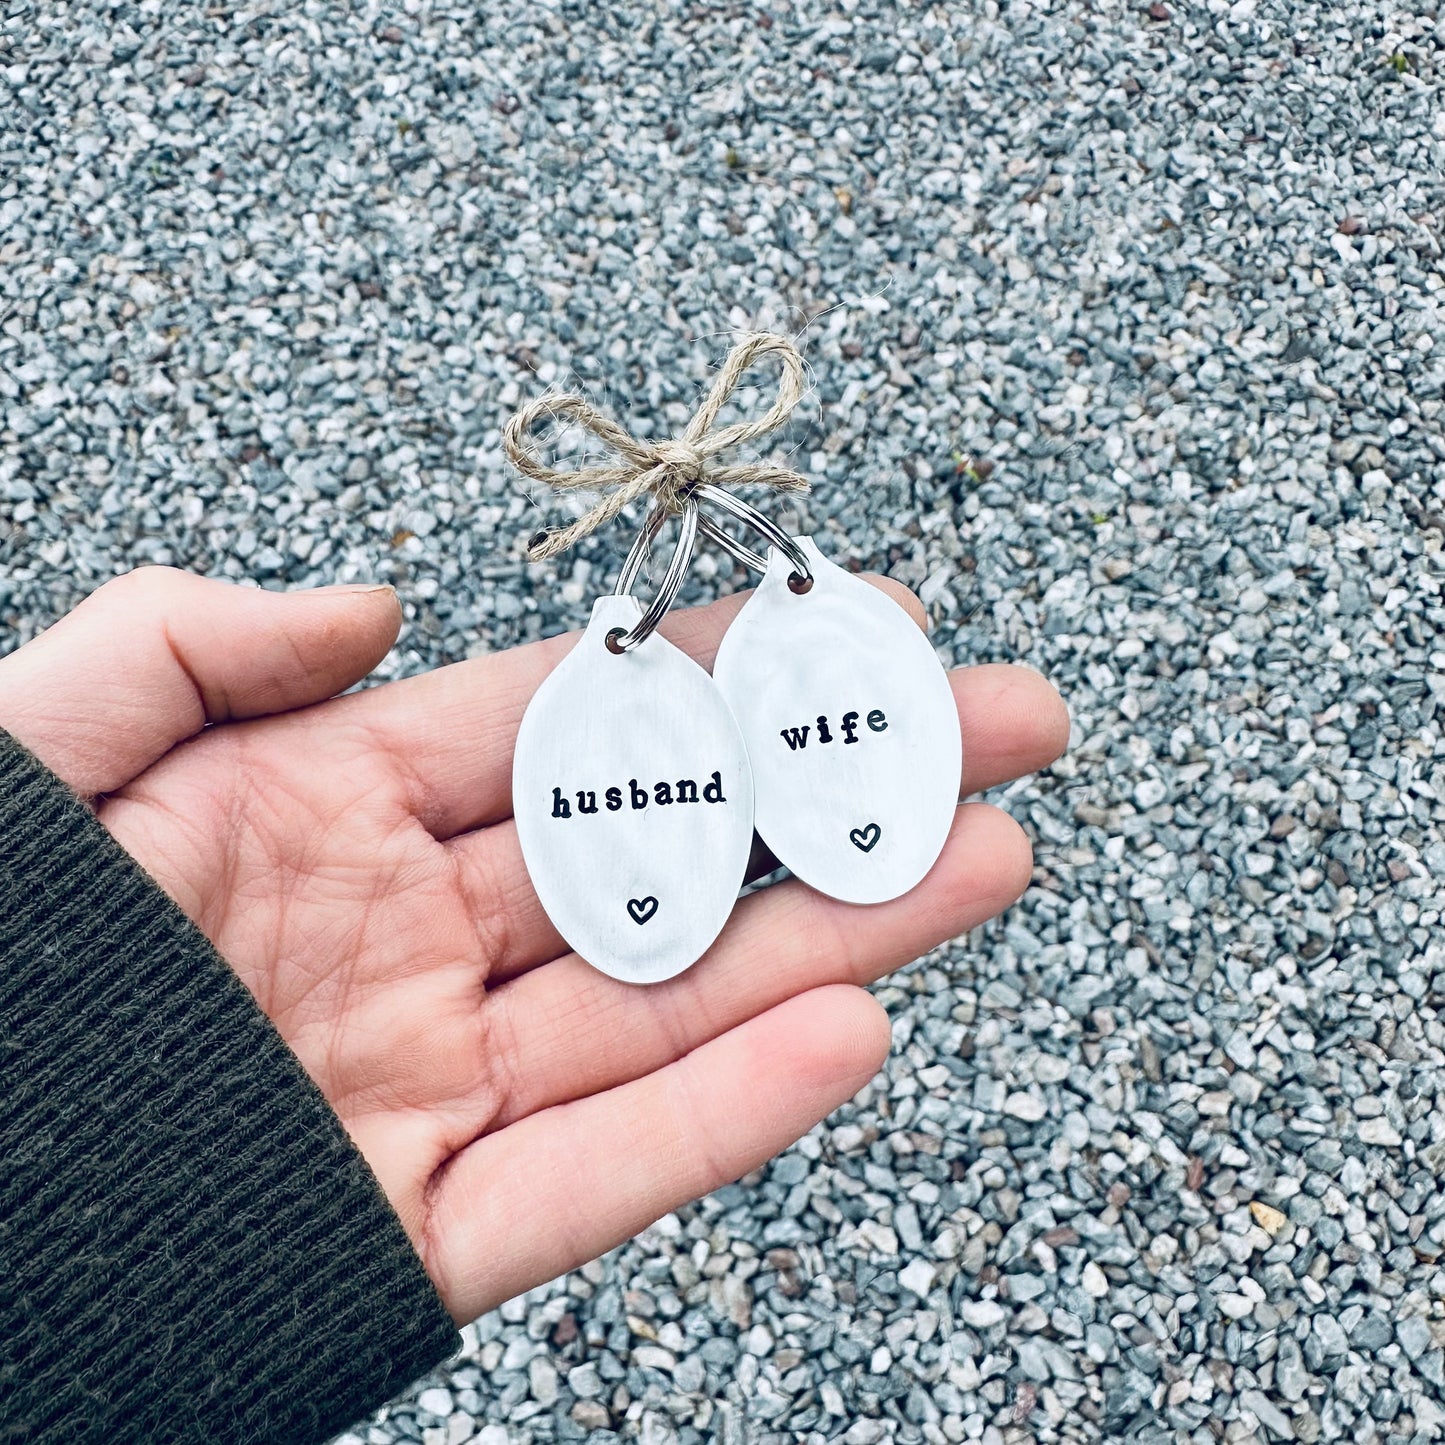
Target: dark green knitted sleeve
<point>191,1248</point>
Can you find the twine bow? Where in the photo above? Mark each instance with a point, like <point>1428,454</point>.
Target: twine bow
<point>665,470</point>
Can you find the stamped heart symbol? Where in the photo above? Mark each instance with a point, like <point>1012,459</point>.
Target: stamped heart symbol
<point>865,838</point>
<point>642,909</point>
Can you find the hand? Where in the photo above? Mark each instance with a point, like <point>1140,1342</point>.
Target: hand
<point>356,862</point>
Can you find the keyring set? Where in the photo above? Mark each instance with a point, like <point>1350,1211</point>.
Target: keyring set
<point>828,725</point>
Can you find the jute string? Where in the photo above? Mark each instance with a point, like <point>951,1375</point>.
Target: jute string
<point>664,470</point>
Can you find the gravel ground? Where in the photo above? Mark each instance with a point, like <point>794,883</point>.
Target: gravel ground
<point>1126,330</point>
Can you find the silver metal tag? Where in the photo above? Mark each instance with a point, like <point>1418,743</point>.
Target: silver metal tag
<point>634,802</point>
<point>851,729</point>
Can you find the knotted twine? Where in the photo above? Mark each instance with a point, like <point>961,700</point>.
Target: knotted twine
<point>666,470</point>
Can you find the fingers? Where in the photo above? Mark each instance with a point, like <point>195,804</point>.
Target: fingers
<point>1012,720</point>
<point>581,1031</point>
<point>151,657</point>
<point>452,731</point>
<point>559,1188</point>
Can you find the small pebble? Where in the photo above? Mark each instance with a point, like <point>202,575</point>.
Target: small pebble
<point>982,1314</point>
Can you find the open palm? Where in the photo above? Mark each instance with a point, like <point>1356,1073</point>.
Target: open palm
<point>355,860</point>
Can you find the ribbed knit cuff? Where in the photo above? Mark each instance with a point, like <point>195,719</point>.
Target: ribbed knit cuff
<point>191,1248</point>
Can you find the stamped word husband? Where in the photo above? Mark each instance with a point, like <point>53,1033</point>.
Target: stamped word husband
<point>634,802</point>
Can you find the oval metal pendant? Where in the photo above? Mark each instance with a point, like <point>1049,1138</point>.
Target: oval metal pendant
<point>634,802</point>
<point>851,729</point>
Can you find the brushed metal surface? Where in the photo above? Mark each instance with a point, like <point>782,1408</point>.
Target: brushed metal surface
<point>640,892</point>
<point>859,806</point>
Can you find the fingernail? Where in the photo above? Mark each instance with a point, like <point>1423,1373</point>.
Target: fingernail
<point>347,587</point>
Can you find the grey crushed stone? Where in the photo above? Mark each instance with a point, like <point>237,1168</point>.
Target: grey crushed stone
<point>1126,330</point>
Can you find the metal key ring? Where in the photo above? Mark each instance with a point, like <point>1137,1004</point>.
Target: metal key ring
<point>619,639</point>
<point>800,580</point>
<point>744,554</point>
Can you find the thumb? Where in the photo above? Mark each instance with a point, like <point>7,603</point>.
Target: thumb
<point>153,656</point>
